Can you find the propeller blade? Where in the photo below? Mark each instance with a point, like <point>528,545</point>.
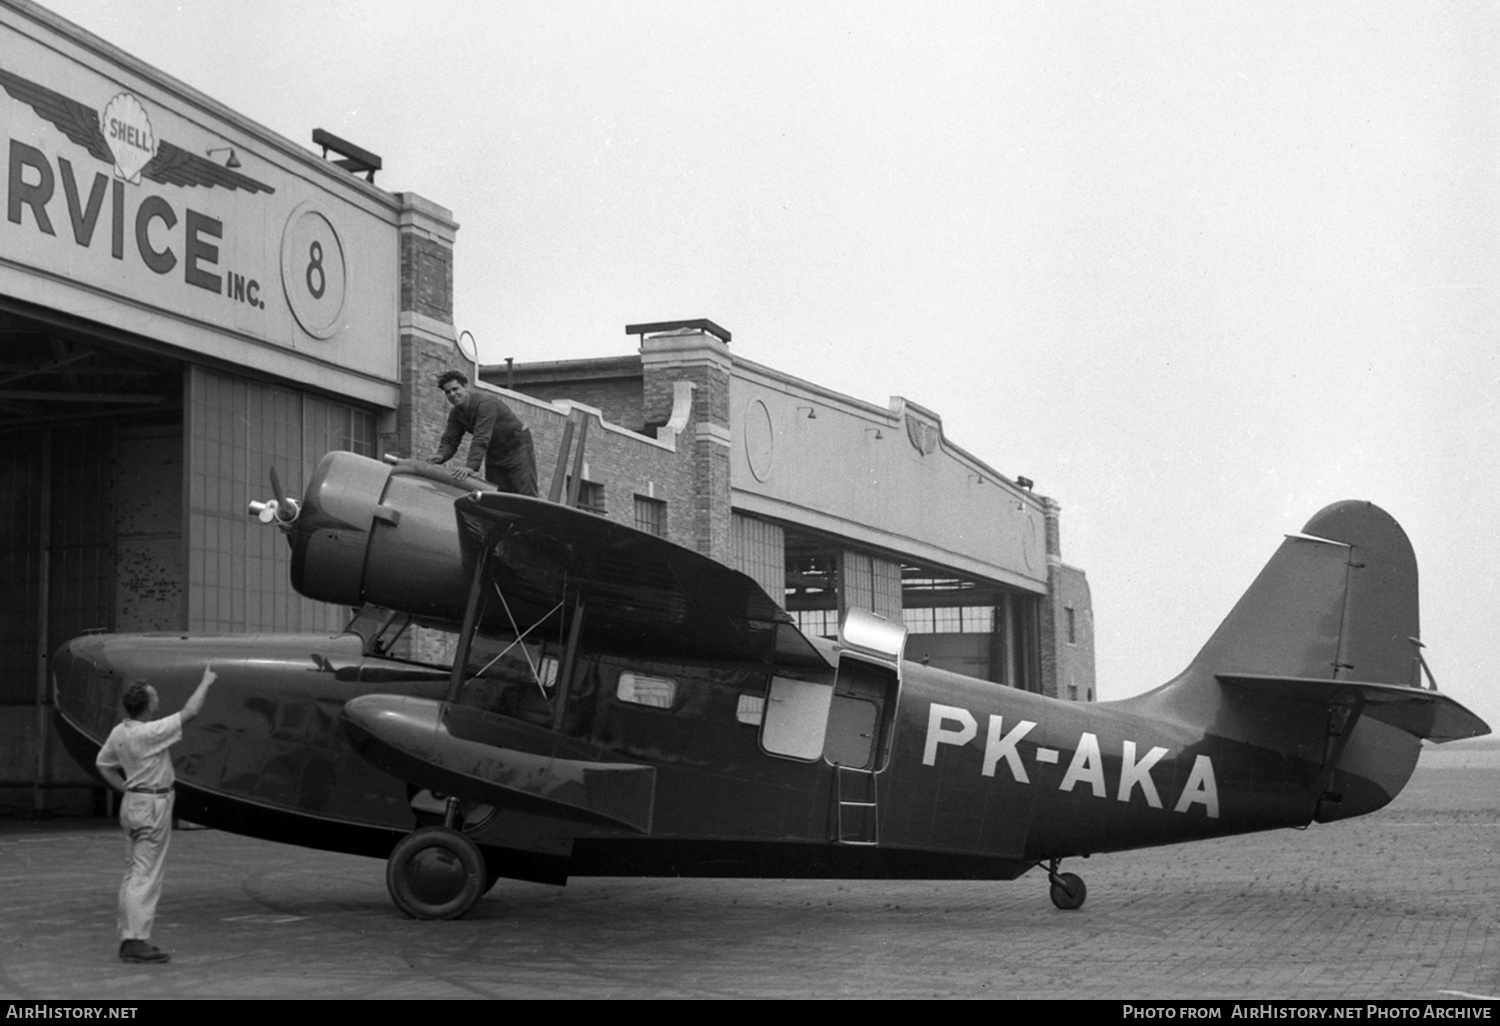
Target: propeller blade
<point>277,490</point>
<point>283,509</point>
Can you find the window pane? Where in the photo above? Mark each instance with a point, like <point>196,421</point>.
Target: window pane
<point>979,619</point>
<point>651,515</point>
<point>751,709</point>
<point>656,692</point>
<point>796,718</point>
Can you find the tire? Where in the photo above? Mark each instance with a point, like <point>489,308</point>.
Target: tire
<point>435,873</point>
<point>1069,894</point>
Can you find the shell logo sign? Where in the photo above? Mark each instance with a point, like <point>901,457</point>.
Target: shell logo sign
<point>129,136</point>
<point>110,190</point>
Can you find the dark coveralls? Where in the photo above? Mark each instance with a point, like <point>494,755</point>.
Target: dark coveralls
<point>500,448</point>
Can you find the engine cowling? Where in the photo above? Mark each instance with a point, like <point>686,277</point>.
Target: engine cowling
<point>372,532</point>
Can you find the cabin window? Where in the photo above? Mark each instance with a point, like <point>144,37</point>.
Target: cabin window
<point>796,718</point>
<point>751,709</point>
<point>656,692</point>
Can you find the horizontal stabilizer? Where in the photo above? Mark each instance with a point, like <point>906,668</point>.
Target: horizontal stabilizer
<point>1425,714</point>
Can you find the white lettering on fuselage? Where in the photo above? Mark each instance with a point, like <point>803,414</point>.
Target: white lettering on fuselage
<point>1133,773</point>
<point>1086,765</point>
<point>956,726</point>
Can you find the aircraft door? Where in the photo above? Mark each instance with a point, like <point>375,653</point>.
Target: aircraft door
<point>862,721</point>
<point>857,745</point>
<point>861,715</point>
<point>852,726</point>
<point>866,692</point>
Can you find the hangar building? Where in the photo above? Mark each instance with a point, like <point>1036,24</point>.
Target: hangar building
<point>188,299</point>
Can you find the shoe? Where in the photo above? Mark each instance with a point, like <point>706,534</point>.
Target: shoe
<point>140,951</point>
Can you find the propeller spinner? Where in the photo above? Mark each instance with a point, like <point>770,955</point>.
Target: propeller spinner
<point>280,509</point>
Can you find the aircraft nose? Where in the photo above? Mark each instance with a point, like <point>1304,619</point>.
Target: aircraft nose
<point>86,688</point>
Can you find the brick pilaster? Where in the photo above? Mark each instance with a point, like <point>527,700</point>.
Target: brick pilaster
<point>428,339</point>
<point>703,360</point>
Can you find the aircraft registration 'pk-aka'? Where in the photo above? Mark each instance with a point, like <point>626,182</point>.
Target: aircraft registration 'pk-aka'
<point>618,705</point>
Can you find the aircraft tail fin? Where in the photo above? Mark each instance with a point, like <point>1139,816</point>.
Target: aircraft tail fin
<point>1320,659</point>
<point>1338,601</point>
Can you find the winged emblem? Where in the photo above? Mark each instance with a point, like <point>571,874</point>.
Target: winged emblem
<point>171,165</point>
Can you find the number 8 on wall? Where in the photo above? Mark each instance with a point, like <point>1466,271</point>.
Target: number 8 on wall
<point>313,272</point>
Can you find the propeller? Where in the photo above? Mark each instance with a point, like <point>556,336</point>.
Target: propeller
<point>280,509</point>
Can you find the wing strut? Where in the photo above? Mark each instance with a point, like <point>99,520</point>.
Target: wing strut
<point>471,619</point>
<point>470,626</point>
<point>520,637</point>
<point>570,657</point>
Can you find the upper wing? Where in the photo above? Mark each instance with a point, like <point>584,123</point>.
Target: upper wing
<point>641,593</point>
<point>175,166</point>
<point>76,121</point>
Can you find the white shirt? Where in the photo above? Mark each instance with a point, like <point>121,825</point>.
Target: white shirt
<point>142,751</point>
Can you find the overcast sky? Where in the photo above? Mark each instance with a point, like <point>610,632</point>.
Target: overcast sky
<point>1198,269</point>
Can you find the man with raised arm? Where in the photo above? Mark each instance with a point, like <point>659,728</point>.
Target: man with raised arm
<point>136,761</point>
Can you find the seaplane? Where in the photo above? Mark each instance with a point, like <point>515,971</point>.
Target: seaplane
<point>530,691</point>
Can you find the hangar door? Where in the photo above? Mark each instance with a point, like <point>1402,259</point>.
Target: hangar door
<point>124,482</point>
<point>236,430</point>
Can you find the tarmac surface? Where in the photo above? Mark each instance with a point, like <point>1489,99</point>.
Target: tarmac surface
<point>1402,904</point>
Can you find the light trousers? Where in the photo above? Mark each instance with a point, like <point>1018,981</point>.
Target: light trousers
<point>147,822</point>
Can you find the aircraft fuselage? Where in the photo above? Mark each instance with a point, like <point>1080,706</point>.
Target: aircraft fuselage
<point>943,775</point>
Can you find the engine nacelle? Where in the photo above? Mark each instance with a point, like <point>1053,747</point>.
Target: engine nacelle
<point>370,532</point>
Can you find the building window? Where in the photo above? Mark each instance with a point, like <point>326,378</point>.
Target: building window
<point>651,516</point>
<point>820,623</point>
<point>950,620</point>
<point>1072,625</point>
<point>760,553</point>
<point>590,496</point>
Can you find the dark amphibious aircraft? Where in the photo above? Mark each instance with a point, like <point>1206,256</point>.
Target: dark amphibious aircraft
<point>617,705</point>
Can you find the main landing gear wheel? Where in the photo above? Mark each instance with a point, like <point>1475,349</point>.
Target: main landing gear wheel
<point>436,873</point>
<point>1068,890</point>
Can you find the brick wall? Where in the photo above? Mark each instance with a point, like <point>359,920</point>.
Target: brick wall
<point>427,275</point>
<point>619,400</point>
<point>1068,667</point>
<point>150,555</point>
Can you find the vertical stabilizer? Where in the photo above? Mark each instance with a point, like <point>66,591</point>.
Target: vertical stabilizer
<point>1337,602</point>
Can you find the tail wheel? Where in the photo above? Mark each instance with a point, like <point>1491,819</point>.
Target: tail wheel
<point>1068,890</point>
<point>436,873</point>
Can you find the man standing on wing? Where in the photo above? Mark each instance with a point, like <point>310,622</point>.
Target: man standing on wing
<point>136,761</point>
<point>500,448</point>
